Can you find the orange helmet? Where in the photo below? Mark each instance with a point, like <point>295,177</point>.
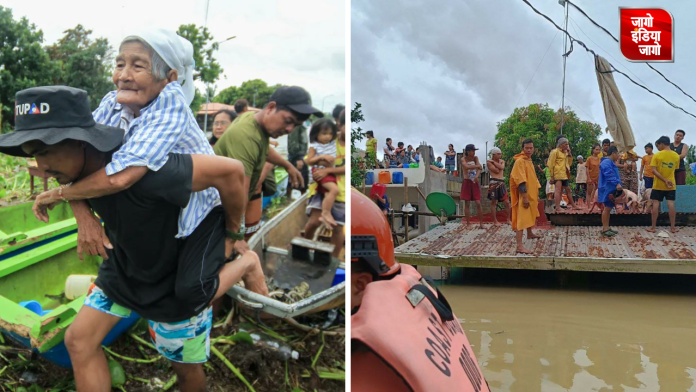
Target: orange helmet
<point>370,236</point>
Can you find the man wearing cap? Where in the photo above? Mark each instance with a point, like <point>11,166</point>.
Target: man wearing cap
<point>247,140</point>
<point>471,191</point>
<point>497,193</point>
<point>167,280</point>
<point>153,75</point>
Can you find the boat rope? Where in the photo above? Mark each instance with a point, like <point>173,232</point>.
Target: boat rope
<point>615,39</point>
<point>613,68</point>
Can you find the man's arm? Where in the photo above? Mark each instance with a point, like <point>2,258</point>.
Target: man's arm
<point>493,167</point>
<point>295,175</point>
<point>685,150</point>
<point>227,176</point>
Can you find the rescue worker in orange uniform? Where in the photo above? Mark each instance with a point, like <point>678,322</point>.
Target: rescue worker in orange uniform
<point>404,336</point>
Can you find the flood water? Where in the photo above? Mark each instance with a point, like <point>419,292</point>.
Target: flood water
<point>600,332</point>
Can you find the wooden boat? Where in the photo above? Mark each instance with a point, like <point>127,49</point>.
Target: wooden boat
<point>35,261</point>
<point>272,244</point>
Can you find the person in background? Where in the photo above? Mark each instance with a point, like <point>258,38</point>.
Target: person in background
<point>336,112</point>
<point>371,150</point>
<point>297,149</point>
<point>592,166</point>
<point>681,149</point>
<point>497,193</point>
<point>402,159</point>
<point>438,163</point>
<point>610,191</point>
<point>221,121</point>
<point>241,105</point>
<point>581,179</point>
<point>549,186</point>
<point>314,203</point>
<point>410,152</point>
<point>559,163</point>
<point>606,143</point>
<point>322,155</point>
<point>524,189</point>
<point>399,147</point>
<point>450,159</point>
<point>664,165</point>
<point>471,191</point>
<point>646,172</point>
<point>389,152</point>
<point>416,155</point>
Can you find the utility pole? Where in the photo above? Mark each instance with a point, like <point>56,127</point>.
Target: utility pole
<point>565,43</point>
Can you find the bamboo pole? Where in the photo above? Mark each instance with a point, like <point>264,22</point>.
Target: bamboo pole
<point>405,203</point>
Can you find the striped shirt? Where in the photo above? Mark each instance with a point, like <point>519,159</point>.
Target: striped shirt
<point>165,126</point>
<point>323,149</point>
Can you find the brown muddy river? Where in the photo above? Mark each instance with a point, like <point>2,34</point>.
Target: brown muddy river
<point>613,333</point>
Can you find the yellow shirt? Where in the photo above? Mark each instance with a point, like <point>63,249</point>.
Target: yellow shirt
<point>647,172</point>
<point>372,145</point>
<point>665,162</point>
<point>340,179</point>
<point>559,164</point>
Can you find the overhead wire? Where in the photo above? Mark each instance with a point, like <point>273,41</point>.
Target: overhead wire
<point>615,39</point>
<point>537,69</point>
<point>614,69</point>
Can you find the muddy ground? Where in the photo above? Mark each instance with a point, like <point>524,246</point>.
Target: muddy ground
<point>261,367</point>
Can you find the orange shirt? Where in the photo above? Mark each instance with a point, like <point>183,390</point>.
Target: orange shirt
<point>592,165</point>
<point>647,172</point>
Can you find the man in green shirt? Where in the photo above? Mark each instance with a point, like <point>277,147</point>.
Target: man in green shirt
<point>247,140</point>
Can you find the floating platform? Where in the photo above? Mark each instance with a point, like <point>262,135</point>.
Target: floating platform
<point>573,248</point>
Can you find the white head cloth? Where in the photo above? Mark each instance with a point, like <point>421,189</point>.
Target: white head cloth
<point>177,52</point>
<point>495,150</point>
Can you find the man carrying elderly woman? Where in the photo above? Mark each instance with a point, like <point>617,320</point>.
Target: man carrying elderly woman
<point>153,75</point>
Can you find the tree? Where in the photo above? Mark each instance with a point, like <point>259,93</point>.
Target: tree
<point>84,63</point>
<point>357,163</point>
<point>23,62</point>
<point>542,124</point>
<point>256,91</point>
<point>207,69</point>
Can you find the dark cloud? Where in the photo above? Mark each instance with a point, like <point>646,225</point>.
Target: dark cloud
<point>447,72</point>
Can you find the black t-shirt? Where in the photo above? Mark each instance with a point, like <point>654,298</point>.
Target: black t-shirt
<point>142,223</point>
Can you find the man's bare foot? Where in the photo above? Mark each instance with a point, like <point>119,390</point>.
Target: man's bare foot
<point>481,226</point>
<point>254,280</point>
<point>522,249</point>
<point>651,230</point>
<point>327,219</point>
<point>496,223</point>
<point>675,230</point>
<point>532,236</point>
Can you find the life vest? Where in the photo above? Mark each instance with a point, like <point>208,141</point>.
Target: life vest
<point>410,327</point>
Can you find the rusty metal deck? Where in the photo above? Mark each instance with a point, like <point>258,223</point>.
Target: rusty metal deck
<point>576,248</point>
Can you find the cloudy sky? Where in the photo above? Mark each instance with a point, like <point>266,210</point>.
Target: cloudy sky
<point>447,73</point>
<point>297,43</point>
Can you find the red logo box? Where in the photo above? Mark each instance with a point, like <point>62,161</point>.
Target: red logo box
<point>647,35</point>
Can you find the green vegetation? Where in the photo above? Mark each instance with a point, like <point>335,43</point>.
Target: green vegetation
<point>357,168</point>
<point>14,180</point>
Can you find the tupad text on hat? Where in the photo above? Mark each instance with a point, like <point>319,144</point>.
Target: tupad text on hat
<point>26,108</point>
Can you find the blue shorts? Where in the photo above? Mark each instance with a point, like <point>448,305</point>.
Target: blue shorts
<point>648,182</point>
<point>449,167</point>
<point>186,341</point>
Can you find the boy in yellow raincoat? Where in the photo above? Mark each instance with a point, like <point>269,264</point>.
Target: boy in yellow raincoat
<point>524,189</point>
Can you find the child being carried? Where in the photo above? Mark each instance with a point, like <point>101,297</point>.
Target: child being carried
<point>322,154</point>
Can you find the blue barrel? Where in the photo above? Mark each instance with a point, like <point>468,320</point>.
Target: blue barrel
<point>397,177</point>
<point>369,178</point>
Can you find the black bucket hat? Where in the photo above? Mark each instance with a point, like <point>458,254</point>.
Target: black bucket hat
<point>52,114</point>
